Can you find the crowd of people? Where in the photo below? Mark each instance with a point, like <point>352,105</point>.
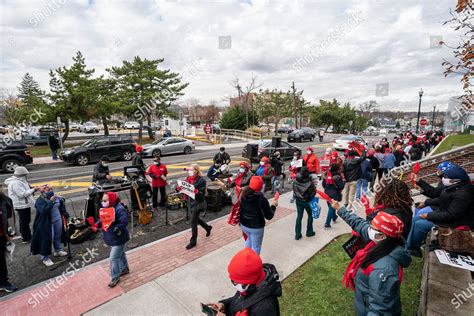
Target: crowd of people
<point>390,231</point>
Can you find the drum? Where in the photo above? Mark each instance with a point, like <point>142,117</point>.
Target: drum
<point>214,198</point>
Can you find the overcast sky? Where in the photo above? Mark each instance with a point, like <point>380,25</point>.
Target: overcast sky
<point>329,48</point>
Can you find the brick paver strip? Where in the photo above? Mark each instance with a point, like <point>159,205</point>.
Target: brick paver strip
<point>88,288</point>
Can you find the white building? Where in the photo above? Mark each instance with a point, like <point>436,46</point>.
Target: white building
<point>176,126</point>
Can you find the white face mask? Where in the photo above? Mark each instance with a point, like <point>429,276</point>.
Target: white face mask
<point>190,173</point>
<point>309,152</point>
<point>262,163</point>
<point>373,235</point>
<point>242,170</point>
<point>242,288</point>
<point>295,157</point>
<point>105,204</point>
<point>105,164</point>
<point>156,163</point>
<point>446,182</point>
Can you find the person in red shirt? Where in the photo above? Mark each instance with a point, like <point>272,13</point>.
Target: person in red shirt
<point>325,160</point>
<point>311,161</point>
<point>158,172</point>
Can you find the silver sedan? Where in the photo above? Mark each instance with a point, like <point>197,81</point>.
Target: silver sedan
<point>168,145</point>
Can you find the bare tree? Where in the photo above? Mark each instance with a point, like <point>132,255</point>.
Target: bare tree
<point>245,95</point>
<point>367,108</point>
<point>463,20</point>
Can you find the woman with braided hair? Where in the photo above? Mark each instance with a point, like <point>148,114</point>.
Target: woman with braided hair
<point>393,196</point>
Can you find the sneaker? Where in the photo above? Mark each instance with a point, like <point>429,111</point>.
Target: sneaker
<point>8,287</point>
<point>327,227</point>
<point>114,282</point>
<point>208,232</point>
<point>25,241</point>
<point>48,263</point>
<point>125,271</point>
<point>60,253</point>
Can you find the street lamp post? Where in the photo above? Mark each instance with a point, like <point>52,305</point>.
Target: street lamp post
<point>433,121</point>
<point>420,93</point>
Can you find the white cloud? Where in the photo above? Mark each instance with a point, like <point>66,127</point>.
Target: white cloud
<point>389,44</point>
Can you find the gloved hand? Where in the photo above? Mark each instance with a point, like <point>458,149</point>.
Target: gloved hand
<point>91,222</point>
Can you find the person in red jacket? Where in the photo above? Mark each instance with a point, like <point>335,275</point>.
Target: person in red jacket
<point>158,172</point>
<point>311,161</point>
<point>325,160</point>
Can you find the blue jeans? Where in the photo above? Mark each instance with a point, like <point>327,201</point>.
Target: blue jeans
<point>419,228</point>
<point>331,215</point>
<point>302,206</point>
<point>54,154</point>
<point>361,188</point>
<point>118,260</point>
<point>254,238</point>
<point>57,231</point>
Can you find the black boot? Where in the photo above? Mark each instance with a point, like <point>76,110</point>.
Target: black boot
<point>190,245</point>
<point>208,231</point>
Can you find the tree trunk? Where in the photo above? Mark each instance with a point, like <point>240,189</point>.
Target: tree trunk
<point>66,131</point>
<point>150,131</point>
<point>140,131</point>
<point>106,127</point>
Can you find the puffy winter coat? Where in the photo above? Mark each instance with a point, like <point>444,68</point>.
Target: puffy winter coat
<point>428,190</point>
<point>335,188</point>
<point>263,301</point>
<point>377,290</point>
<point>303,188</point>
<point>100,173</point>
<point>20,192</point>
<point>312,162</point>
<point>351,168</point>
<point>255,209</point>
<point>455,206</point>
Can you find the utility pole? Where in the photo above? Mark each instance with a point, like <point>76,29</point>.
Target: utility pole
<point>433,121</point>
<point>294,104</point>
<point>420,93</point>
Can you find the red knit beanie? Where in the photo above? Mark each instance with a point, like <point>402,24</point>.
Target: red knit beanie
<point>246,267</point>
<point>256,183</point>
<point>112,198</point>
<point>388,224</point>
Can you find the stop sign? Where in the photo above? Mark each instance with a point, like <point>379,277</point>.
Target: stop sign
<point>423,122</point>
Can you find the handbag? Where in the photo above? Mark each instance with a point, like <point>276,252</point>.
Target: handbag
<point>455,240</point>
<point>315,208</point>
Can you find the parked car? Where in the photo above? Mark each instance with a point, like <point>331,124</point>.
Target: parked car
<point>265,149</point>
<point>37,135</point>
<point>168,145</point>
<point>285,130</point>
<point>301,135</point>
<point>131,125</point>
<point>13,153</point>
<point>74,127</point>
<point>115,147</point>
<point>342,143</point>
<point>89,127</point>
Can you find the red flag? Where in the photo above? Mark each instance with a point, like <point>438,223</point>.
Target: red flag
<point>324,196</point>
<point>365,201</point>
<point>416,168</point>
<point>276,196</point>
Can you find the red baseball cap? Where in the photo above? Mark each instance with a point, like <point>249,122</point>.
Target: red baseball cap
<point>388,224</point>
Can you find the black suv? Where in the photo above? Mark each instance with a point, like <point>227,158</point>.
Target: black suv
<point>301,135</point>
<point>13,153</point>
<point>114,147</point>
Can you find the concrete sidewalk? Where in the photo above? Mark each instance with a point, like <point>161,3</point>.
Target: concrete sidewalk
<point>167,279</point>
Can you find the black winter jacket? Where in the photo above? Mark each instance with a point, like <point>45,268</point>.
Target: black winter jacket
<point>262,301</point>
<point>351,168</point>
<point>334,190</point>
<point>303,188</point>
<point>428,190</point>
<point>254,209</point>
<point>100,173</point>
<point>456,206</point>
<point>6,209</point>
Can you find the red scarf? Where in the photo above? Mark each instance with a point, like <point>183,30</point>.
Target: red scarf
<point>349,277</point>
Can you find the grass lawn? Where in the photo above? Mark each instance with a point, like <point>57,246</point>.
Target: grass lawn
<point>43,150</point>
<point>454,140</point>
<point>316,289</point>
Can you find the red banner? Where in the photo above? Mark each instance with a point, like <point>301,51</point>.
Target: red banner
<point>107,217</point>
<point>324,196</point>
